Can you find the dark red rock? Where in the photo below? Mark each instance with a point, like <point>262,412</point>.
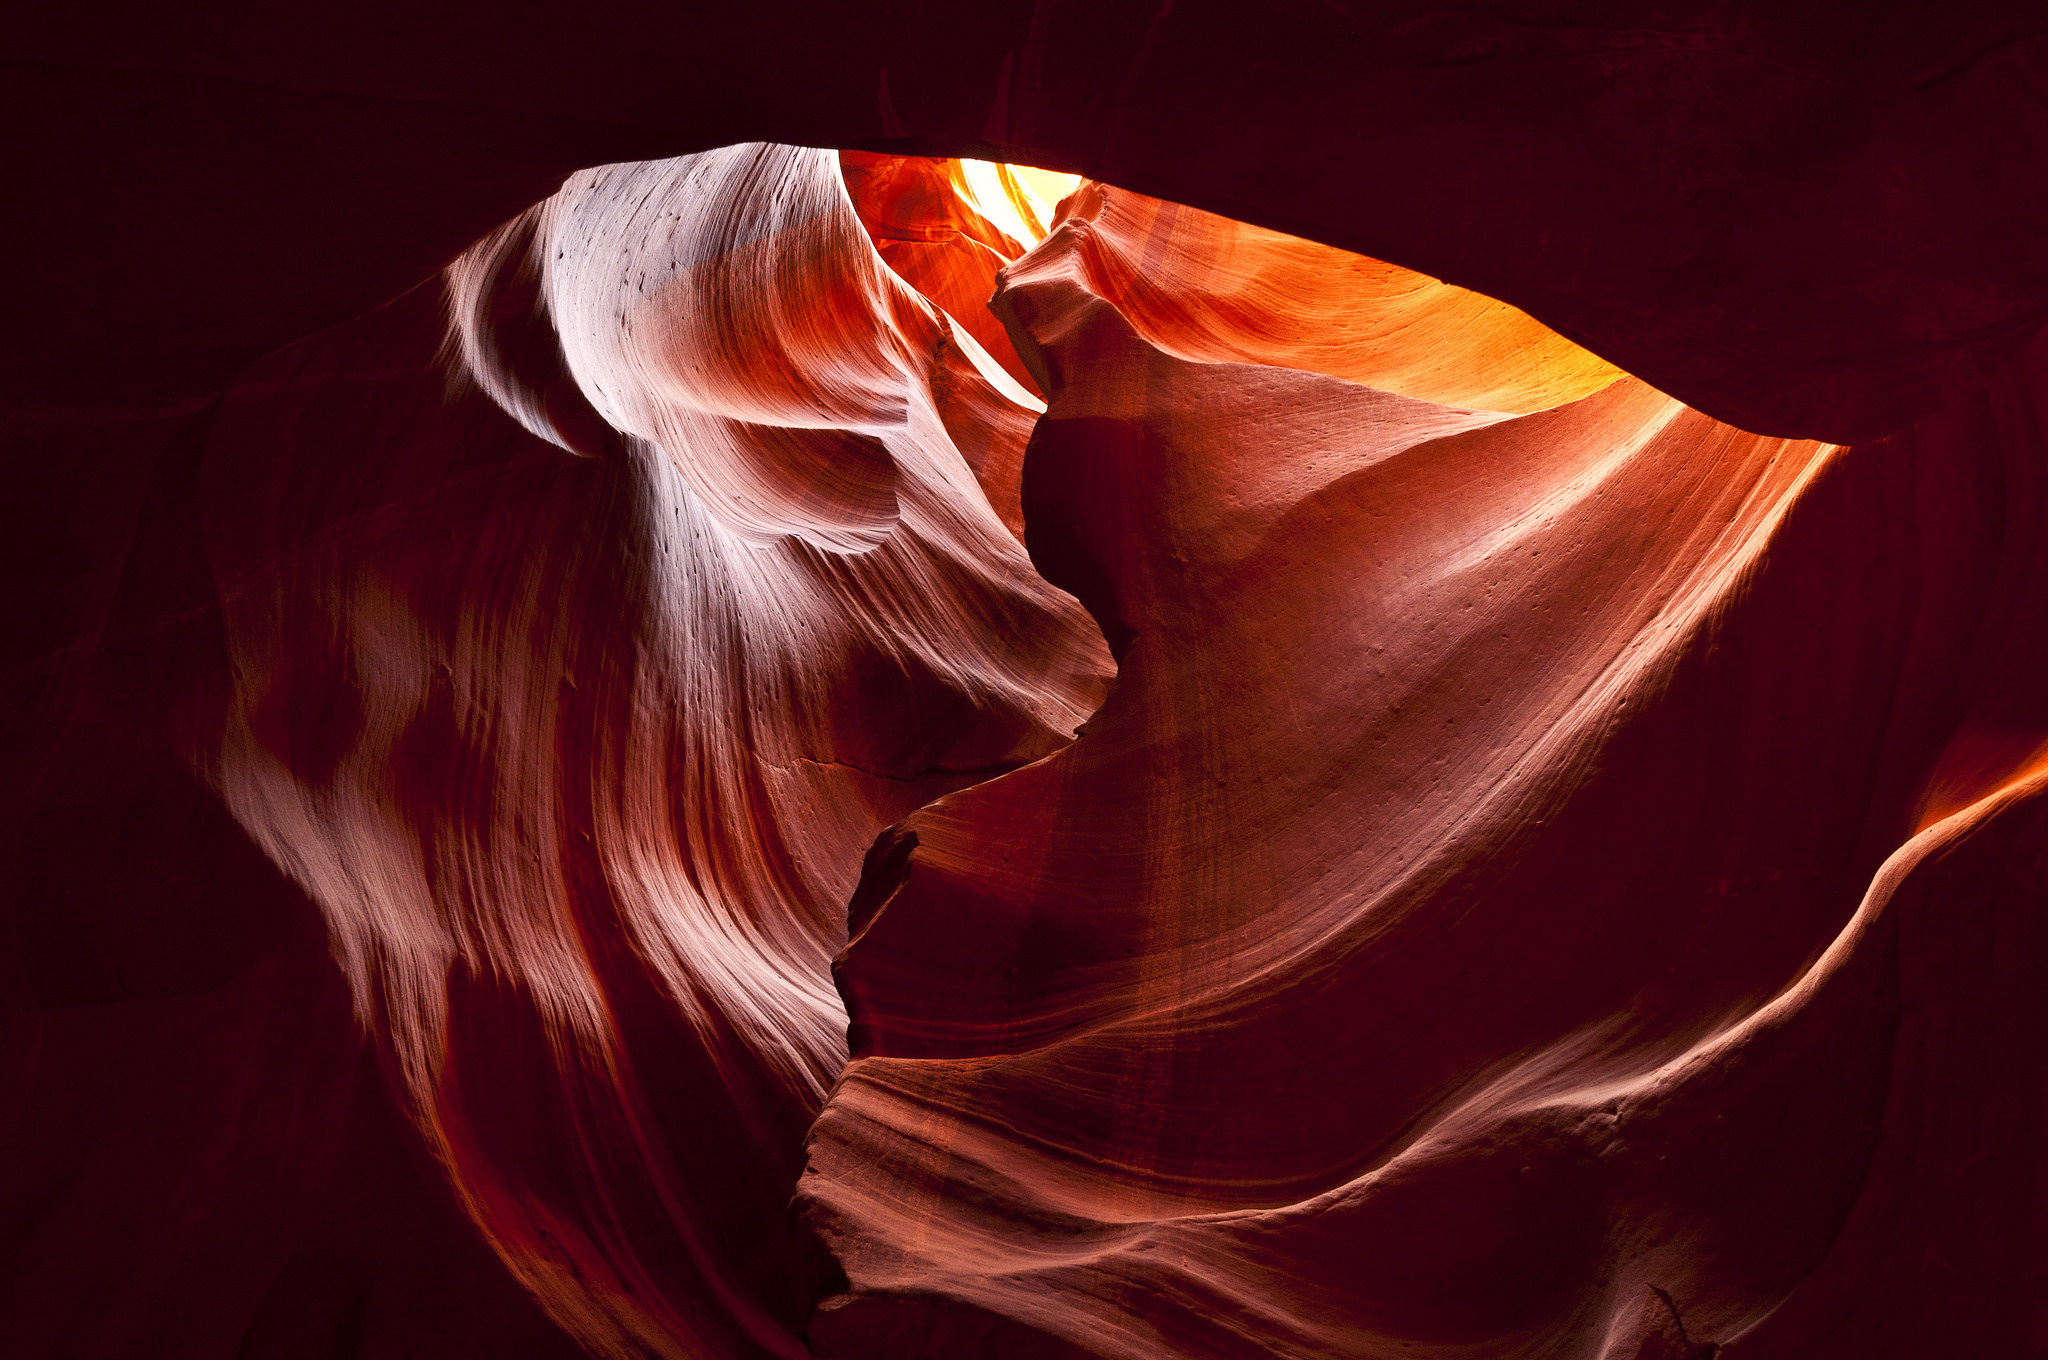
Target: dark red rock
<point>1445,940</point>
<point>431,808</point>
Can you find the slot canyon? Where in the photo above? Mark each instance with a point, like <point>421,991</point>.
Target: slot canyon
<point>1026,681</point>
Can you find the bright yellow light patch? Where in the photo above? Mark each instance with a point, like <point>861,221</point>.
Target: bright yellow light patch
<point>1017,199</point>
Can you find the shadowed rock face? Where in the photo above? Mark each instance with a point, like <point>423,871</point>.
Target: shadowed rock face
<point>579,756</point>
<point>1452,937</point>
<point>547,819</point>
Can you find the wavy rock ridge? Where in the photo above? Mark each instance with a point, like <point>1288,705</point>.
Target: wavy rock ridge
<point>581,792</point>
<point>1542,872</point>
<point>1446,940</point>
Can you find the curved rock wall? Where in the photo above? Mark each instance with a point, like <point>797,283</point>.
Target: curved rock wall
<point>579,757</point>
<point>1542,871</point>
<point>1487,917</point>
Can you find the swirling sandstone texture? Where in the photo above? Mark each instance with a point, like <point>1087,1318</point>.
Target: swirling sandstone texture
<point>578,757</point>
<point>1455,936</point>
<point>689,786</point>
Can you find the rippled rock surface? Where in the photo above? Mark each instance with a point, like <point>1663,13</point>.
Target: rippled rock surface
<point>688,786</point>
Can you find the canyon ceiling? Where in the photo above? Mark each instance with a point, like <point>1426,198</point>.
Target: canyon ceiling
<point>1391,703</point>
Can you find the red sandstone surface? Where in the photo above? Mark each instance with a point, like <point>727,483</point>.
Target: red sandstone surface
<point>630,740</point>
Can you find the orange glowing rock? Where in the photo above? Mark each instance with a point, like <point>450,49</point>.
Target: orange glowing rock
<point>1445,940</point>
<point>1542,872</point>
<point>946,235</point>
<point>1206,288</point>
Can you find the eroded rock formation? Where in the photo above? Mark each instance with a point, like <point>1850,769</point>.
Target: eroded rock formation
<point>583,792</point>
<point>562,830</point>
<point>1451,938</point>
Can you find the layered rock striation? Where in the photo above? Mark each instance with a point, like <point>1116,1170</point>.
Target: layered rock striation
<point>1495,912</point>
<point>686,788</point>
